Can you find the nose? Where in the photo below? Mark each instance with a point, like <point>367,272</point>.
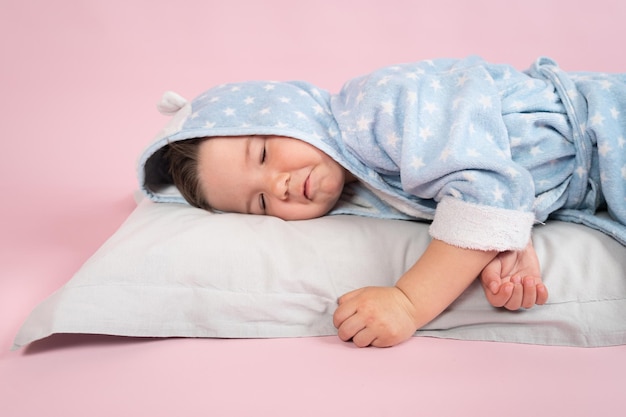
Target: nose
<point>279,185</point>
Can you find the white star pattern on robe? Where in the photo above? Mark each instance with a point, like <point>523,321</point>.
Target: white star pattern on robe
<point>363,123</point>
<point>417,162</point>
<point>392,139</point>
<point>614,113</point>
<point>425,133</point>
<point>597,119</point>
<point>388,107</point>
<point>498,194</point>
<point>444,125</point>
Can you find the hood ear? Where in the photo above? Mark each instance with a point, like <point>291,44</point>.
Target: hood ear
<point>170,103</point>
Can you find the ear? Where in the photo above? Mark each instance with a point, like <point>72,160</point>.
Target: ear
<point>171,103</point>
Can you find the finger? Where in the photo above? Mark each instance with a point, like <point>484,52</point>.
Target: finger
<point>490,276</point>
<point>350,328</point>
<point>530,292</point>
<point>494,286</point>
<point>515,301</point>
<point>507,260</point>
<point>364,337</point>
<point>380,343</point>
<point>387,341</point>
<point>502,296</point>
<point>349,295</point>
<point>342,313</point>
<point>542,294</point>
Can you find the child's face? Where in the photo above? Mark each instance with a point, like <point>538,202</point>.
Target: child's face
<point>273,175</point>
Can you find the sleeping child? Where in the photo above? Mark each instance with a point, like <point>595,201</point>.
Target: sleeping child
<point>482,151</point>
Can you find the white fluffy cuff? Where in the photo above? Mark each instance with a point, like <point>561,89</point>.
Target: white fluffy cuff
<point>481,227</point>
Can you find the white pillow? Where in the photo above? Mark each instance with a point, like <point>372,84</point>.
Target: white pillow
<point>173,270</point>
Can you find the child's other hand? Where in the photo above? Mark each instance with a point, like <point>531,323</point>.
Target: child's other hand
<point>376,316</point>
<point>513,280</point>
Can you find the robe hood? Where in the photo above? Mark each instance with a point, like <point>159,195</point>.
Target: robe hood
<point>294,109</point>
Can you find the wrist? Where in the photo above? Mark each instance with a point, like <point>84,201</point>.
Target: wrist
<point>411,306</point>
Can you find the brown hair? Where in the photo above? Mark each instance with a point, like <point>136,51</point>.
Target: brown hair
<point>183,167</point>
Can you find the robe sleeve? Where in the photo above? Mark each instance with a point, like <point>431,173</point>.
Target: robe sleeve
<point>437,133</point>
<point>460,156</point>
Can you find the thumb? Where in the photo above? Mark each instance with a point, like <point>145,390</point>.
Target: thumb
<point>490,276</point>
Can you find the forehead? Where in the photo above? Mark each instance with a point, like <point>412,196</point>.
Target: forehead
<point>218,147</point>
<point>221,170</point>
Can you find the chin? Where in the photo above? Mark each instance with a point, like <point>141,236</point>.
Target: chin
<point>305,216</point>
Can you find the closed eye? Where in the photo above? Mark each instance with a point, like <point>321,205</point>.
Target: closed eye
<point>262,203</point>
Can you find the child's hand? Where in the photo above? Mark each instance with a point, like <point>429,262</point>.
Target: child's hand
<point>513,280</point>
<point>377,316</point>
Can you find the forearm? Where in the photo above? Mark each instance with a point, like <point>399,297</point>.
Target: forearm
<point>439,277</point>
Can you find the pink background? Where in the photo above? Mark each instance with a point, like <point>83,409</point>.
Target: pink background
<point>79,81</point>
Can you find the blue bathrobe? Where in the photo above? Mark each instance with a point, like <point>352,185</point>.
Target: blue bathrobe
<point>481,150</point>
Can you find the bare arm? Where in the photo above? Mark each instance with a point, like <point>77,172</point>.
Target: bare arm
<point>440,276</point>
<point>385,316</point>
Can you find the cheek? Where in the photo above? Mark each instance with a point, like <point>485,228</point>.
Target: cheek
<point>335,181</point>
